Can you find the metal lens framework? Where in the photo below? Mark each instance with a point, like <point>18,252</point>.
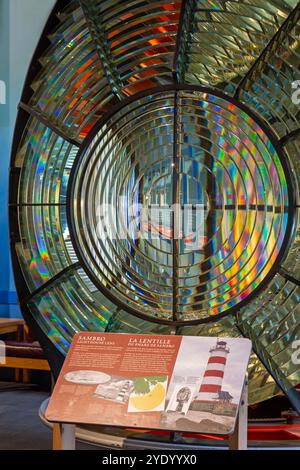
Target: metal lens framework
<point>158,103</point>
<point>188,154</point>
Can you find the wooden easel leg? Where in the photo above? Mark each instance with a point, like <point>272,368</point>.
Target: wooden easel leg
<point>64,437</point>
<point>18,373</point>
<point>52,383</point>
<point>57,437</point>
<point>239,439</point>
<point>26,376</point>
<point>19,338</point>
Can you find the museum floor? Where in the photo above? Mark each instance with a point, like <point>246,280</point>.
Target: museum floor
<point>21,428</point>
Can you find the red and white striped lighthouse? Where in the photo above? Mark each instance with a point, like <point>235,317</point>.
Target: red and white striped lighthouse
<point>214,373</point>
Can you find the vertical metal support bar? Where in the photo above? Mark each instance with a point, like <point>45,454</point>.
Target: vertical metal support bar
<point>68,437</point>
<point>176,206</point>
<point>239,439</point>
<point>186,26</point>
<point>64,436</point>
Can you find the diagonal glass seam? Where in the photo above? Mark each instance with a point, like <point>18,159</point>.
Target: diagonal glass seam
<point>184,43</point>
<point>266,359</point>
<point>270,49</point>
<point>106,58</point>
<point>289,137</point>
<point>51,281</point>
<point>43,120</point>
<point>284,273</point>
<point>112,319</point>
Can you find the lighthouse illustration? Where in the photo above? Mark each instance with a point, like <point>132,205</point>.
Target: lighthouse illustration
<point>211,387</point>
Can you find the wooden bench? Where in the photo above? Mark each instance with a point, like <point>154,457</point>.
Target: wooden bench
<point>24,356</point>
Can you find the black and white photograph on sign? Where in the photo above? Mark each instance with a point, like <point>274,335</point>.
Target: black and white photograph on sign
<point>205,389</point>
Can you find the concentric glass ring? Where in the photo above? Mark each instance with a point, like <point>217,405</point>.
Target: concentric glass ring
<point>179,206</point>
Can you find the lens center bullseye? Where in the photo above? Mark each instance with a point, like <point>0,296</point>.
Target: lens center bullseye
<point>180,206</point>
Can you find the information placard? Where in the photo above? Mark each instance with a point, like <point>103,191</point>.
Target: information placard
<point>177,383</point>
